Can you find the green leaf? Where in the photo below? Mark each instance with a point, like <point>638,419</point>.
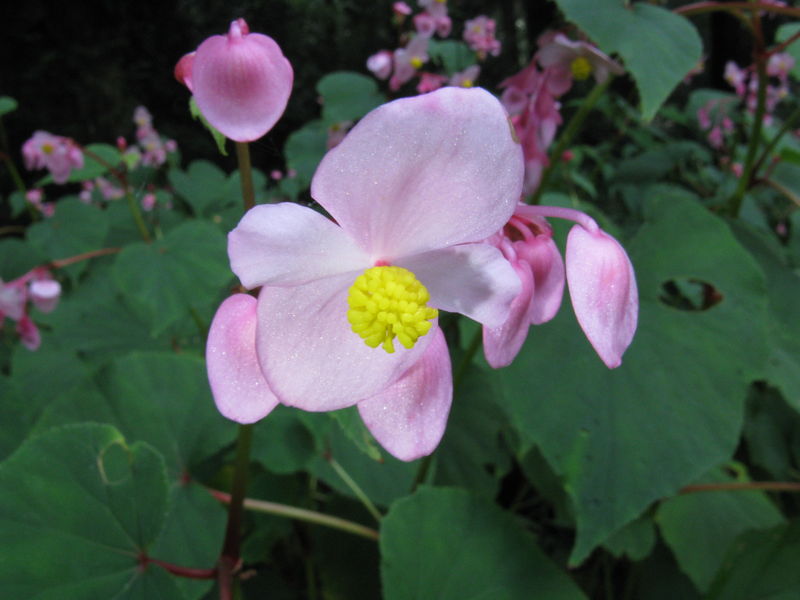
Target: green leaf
<point>92,168</point>
<point>205,187</point>
<point>454,56</point>
<point>7,105</point>
<point>444,543</point>
<point>219,138</point>
<point>772,431</point>
<point>84,505</point>
<point>784,32</point>
<point>17,257</point>
<point>164,280</point>
<point>763,565</point>
<point>347,96</point>
<point>75,228</point>
<point>623,438</point>
<point>658,46</point>
<point>14,408</point>
<point>353,427</point>
<point>282,442</point>
<point>636,540</point>
<point>305,148</point>
<point>160,398</point>
<point>699,528</point>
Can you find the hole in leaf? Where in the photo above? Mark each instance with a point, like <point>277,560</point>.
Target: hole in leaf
<point>685,293</point>
<point>114,463</point>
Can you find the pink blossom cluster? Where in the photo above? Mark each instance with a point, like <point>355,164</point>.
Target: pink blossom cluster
<point>479,33</point>
<point>712,117</point>
<point>405,63</point>
<point>745,82</point>
<point>37,287</point>
<point>57,154</point>
<point>531,96</point>
<point>107,189</point>
<point>35,197</point>
<point>153,148</point>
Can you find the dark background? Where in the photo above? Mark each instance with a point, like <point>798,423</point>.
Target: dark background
<point>80,68</point>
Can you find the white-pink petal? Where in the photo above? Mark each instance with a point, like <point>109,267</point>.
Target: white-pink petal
<point>423,173</point>
<point>311,357</point>
<point>602,286</point>
<point>240,390</point>
<point>472,279</point>
<point>502,344</point>
<point>547,267</point>
<point>409,417</point>
<point>289,244</point>
<point>45,294</point>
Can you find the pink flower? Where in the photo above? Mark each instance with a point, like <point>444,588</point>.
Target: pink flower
<point>465,78</point>
<point>57,154</point>
<point>29,333</point>
<point>380,64</point>
<point>35,196</point>
<point>599,273</point>
<point>413,189</point>
<point>408,60</point>
<point>579,58</point>
<point>241,82</point>
<point>148,202</point>
<point>479,35</point>
<point>401,9</point>
<point>433,19</point>
<point>429,82</point>
<point>736,77</point>
<point>275,175</point>
<point>45,294</point>
<point>13,297</point>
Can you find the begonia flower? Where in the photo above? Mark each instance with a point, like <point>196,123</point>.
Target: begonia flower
<point>465,78</point>
<point>347,314</point>
<point>479,35</point>
<point>57,154</point>
<point>580,58</point>
<point>430,82</point>
<point>599,274</point>
<point>408,60</point>
<point>12,299</point>
<point>380,64</point>
<point>436,13</point>
<point>241,81</point>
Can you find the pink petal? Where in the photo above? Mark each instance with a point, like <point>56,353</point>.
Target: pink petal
<point>409,417</point>
<point>425,172</point>
<point>501,344</point>
<point>28,333</point>
<point>183,70</point>
<point>548,274</point>
<point>602,286</point>
<point>288,244</point>
<point>45,294</point>
<point>241,83</point>
<point>309,354</point>
<point>237,383</point>
<point>472,279</point>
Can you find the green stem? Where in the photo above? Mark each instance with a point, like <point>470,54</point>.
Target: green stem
<point>790,195</point>
<point>569,132</point>
<point>229,558</point>
<point>758,122</point>
<point>788,125</point>
<point>133,206</point>
<point>350,482</point>
<point>245,174</point>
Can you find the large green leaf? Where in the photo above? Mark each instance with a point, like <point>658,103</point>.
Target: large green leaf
<point>17,257</point>
<point>347,96</point>
<point>75,228</point>
<point>763,565</point>
<point>85,505</point>
<point>164,280</point>
<point>160,398</point>
<point>305,148</point>
<point>658,46</point>
<point>445,543</point>
<point>700,527</point>
<point>622,438</point>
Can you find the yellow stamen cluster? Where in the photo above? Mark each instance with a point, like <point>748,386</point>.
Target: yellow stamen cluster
<point>581,68</point>
<point>416,62</point>
<point>467,83</point>
<point>47,148</point>
<point>387,302</point>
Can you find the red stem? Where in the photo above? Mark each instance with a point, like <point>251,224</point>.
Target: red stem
<point>188,572</point>
<point>64,262</point>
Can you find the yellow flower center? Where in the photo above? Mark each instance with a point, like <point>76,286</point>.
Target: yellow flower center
<point>581,68</point>
<point>387,302</point>
<point>467,83</point>
<point>416,62</point>
<point>47,148</point>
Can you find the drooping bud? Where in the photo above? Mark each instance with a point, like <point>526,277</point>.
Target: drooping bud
<point>45,294</point>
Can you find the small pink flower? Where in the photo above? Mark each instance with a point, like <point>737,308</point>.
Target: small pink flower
<point>429,82</point>
<point>380,64</point>
<point>579,58</point>
<point>275,175</point>
<point>35,196</point>
<point>401,9</point>
<point>336,133</point>
<point>408,60</point>
<point>479,35</point>
<point>57,154</point>
<point>465,78</point>
<point>736,77</point>
<point>45,294</point>
<point>13,297</point>
<point>436,12</point>
<point>241,82</point>
<point>29,333</point>
<point>406,196</point>
<point>148,202</point>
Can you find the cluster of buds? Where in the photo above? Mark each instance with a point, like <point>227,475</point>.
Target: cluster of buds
<point>406,62</point>
<point>600,276</point>
<point>531,96</point>
<point>152,148</point>
<point>713,118</point>
<point>745,82</point>
<point>35,197</point>
<point>36,287</point>
<point>57,154</point>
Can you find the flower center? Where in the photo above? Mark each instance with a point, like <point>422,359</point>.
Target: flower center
<point>387,302</point>
<point>581,68</point>
<point>416,62</point>
<point>467,83</point>
<point>47,148</point>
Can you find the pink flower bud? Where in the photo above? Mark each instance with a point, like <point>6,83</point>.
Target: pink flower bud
<point>148,202</point>
<point>45,294</point>
<point>602,286</point>
<point>12,299</point>
<point>241,82</point>
<point>29,333</point>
